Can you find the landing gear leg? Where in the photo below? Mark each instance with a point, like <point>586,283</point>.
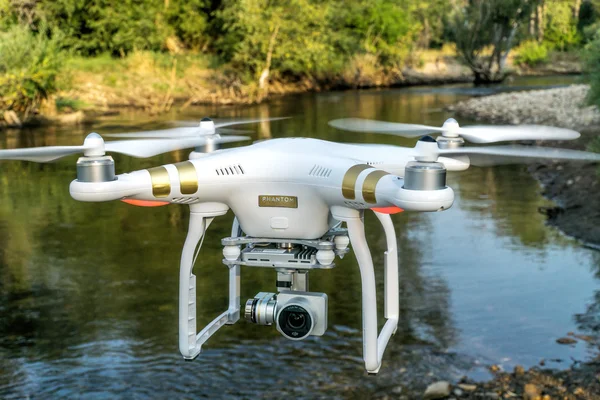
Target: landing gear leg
<point>374,345</point>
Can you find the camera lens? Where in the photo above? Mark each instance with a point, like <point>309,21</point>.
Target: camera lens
<point>294,322</point>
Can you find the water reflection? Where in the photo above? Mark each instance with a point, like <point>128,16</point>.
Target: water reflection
<point>88,292</point>
<point>502,194</point>
<point>589,320</point>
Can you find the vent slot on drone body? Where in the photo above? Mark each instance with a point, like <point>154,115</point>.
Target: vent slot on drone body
<point>355,204</point>
<point>320,171</point>
<point>230,170</point>
<point>185,200</point>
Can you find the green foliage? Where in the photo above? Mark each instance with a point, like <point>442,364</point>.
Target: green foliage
<point>326,40</point>
<point>311,37</point>
<point>561,26</point>
<point>104,26</point>
<point>68,104</point>
<point>531,53</point>
<point>588,15</point>
<point>6,16</point>
<point>294,33</point>
<point>29,65</point>
<point>189,20</point>
<point>592,61</point>
<point>117,27</point>
<point>382,27</point>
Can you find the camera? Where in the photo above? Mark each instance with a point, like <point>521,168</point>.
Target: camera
<point>296,314</point>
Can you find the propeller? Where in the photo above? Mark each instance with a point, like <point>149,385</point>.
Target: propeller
<point>206,127</point>
<point>94,146</point>
<point>451,129</point>
<point>503,155</point>
<point>427,150</point>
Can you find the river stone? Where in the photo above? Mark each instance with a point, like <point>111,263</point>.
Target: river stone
<point>531,392</point>
<point>466,387</point>
<point>519,370</point>
<point>566,340</point>
<point>437,390</point>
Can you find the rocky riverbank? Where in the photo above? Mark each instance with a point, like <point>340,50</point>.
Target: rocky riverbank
<point>563,107</point>
<point>576,383</point>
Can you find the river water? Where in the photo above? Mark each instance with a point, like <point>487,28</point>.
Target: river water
<point>88,292</point>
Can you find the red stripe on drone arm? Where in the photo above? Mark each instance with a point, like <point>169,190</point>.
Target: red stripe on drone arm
<point>387,210</point>
<point>145,203</point>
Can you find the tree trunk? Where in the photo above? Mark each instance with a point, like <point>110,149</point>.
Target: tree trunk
<point>263,81</point>
<point>532,24</point>
<point>425,35</point>
<point>539,12</point>
<point>576,8</point>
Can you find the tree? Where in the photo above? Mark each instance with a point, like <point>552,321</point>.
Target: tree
<point>592,61</point>
<point>288,36</point>
<point>561,24</point>
<point>91,27</point>
<point>485,33</point>
<point>29,64</point>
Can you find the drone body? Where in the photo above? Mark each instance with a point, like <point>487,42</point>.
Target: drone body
<point>290,198</point>
<point>275,187</point>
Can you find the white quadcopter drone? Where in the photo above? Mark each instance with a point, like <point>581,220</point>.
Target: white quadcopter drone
<point>290,198</point>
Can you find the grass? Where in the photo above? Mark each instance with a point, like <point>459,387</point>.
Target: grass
<point>155,81</point>
<point>65,104</point>
<point>149,80</point>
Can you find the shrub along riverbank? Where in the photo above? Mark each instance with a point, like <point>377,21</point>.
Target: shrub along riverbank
<point>156,82</point>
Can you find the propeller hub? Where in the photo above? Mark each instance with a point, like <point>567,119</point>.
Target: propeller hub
<point>207,125</point>
<point>450,128</point>
<point>426,149</point>
<point>94,145</point>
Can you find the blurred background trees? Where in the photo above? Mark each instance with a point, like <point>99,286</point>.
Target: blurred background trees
<point>485,32</point>
<point>261,40</point>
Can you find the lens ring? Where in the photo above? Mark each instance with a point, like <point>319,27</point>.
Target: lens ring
<point>295,322</point>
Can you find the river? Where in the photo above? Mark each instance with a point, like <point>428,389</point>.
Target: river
<point>88,291</point>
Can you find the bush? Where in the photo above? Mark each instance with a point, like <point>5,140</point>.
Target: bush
<point>531,53</point>
<point>29,64</point>
<point>561,31</point>
<point>592,63</point>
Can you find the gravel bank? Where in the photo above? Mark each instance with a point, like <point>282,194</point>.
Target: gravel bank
<point>564,107</point>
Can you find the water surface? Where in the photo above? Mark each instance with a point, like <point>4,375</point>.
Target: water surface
<point>88,292</point>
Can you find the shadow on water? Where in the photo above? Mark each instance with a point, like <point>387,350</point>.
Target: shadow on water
<point>88,292</point>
